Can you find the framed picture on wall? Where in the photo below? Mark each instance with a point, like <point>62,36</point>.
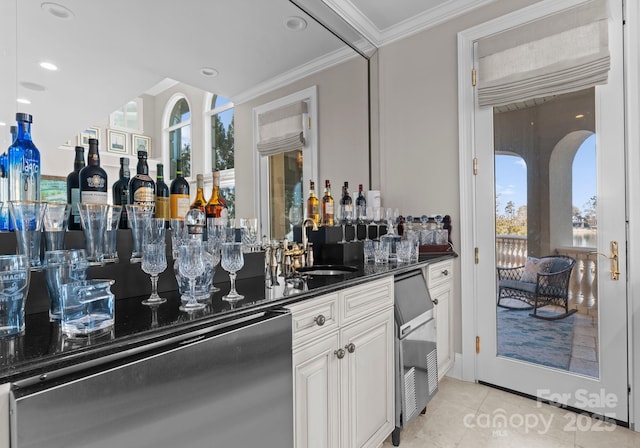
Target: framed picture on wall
<point>53,188</point>
<point>117,142</point>
<point>140,143</point>
<point>84,136</point>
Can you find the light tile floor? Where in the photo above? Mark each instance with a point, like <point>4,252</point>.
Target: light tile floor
<point>469,415</point>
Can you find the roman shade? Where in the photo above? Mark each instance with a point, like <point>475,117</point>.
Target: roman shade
<point>281,129</point>
<point>560,53</point>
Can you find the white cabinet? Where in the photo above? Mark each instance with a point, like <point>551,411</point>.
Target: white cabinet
<point>343,374</point>
<point>440,282</point>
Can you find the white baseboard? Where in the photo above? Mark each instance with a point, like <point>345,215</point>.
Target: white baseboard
<point>456,369</point>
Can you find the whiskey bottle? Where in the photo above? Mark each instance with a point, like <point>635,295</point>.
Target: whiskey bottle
<point>73,189</point>
<point>120,191</point>
<point>163,209</point>
<point>199,202</point>
<point>93,179</point>
<point>179,194</point>
<point>327,205</point>
<point>216,208</point>
<point>142,189</point>
<point>313,204</point>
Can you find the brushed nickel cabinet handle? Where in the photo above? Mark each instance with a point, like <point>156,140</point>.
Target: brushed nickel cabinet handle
<point>339,353</point>
<point>320,320</point>
<point>350,347</point>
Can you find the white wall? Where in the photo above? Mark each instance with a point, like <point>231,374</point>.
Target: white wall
<point>419,123</point>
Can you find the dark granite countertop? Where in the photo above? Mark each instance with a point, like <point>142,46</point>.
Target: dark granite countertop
<point>43,347</point>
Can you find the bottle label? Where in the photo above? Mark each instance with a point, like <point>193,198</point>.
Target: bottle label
<point>144,196</point>
<point>180,205</point>
<point>94,197</point>
<point>30,170</point>
<point>328,208</point>
<point>96,182</point>
<point>162,207</point>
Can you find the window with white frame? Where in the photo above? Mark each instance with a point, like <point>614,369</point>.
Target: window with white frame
<point>285,142</point>
<point>179,130</point>
<point>128,117</point>
<point>221,136</point>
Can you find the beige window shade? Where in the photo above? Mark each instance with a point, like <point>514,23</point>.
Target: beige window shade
<point>281,130</point>
<point>561,53</point>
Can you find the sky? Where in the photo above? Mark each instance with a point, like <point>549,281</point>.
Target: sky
<point>511,177</point>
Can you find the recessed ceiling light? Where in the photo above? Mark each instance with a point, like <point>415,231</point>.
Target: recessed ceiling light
<point>57,11</point>
<point>2,123</point>
<point>295,23</point>
<point>49,66</point>
<point>23,101</point>
<point>33,86</point>
<point>580,116</point>
<point>209,72</point>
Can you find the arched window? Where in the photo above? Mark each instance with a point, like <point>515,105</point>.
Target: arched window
<point>179,129</point>
<point>583,191</point>
<point>511,194</point>
<point>221,135</point>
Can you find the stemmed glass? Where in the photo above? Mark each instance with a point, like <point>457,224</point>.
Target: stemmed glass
<point>340,220</point>
<point>367,218</point>
<point>215,237</point>
<point>191,265</point>
<point>232,262</point>
<point>154,257</point>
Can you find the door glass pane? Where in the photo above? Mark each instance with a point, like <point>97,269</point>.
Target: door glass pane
<point>285,193</point>
<point>546,232</point>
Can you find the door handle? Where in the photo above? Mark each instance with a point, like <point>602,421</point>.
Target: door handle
<point>614,260</point>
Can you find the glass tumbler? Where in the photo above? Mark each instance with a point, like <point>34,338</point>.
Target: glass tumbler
<point>62,267</point>
<point>27,218</point>
<point>111,233</point>
<point>14,286</point>
<point>93,218</point>
<point>56,219</point>
<point>138,216</point>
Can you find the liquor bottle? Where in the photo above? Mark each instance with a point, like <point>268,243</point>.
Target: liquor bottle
<point>313,204</point>
<point>163,209</point>
<point>24,163</point>
<point>93,179</point>
<point>120,191</point>
<point>73,189</point>
<point>327,205</point>
<point>179,194</point>
<point>216,208</point>
<point>4,183</point>
<point>361,206</point>
<point>142,189</point>
<point>346,205</point>
<point>199,202</point>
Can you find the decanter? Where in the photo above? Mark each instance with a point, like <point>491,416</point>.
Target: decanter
<point>195,223</point>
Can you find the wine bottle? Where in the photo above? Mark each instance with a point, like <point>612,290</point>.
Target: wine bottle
<point>179,194</point>
<point>346,204</point>
<point>216,208</point>
<point>199,202</point>
<point>93,179</point>
<point>73,189</point>
<point>361,205</point>
<point>24,163</point>
<point>120,191</point>
<point>163,209</point>
<point>313,204</point>
<point>327,205</point>
<point>142,189</point>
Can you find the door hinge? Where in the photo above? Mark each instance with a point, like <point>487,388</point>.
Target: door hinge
<point>473,77</point>
<point>477,344</point>
<point>475,166</point>
<point>476,255</point>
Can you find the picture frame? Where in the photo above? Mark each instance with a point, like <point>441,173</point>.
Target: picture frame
<point>117,142</point>
<point>84,136</point>
<point>53,188</point>
<point>140,143</point>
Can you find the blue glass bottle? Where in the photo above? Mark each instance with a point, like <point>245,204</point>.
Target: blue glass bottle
<point>4,184</point>
<point>24,163</point>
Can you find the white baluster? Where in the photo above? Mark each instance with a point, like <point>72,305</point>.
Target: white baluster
<point>586,282</point>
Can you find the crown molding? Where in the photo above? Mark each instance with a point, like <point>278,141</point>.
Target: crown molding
<point>329,60</point>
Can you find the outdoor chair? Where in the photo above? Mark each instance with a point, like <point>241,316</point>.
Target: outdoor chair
<point>538,283</point>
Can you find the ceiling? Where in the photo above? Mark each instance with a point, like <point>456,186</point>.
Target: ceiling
<point>109,51</point>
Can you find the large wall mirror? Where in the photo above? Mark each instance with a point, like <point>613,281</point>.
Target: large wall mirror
<point>119,56</point>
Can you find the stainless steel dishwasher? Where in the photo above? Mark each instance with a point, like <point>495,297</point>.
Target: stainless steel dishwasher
<point>415,348</point>
<point>225,386</point>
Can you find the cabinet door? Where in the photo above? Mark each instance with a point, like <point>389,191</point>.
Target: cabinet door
<point>444,329</point>
<point>316,394</point>
<point>367,381</point>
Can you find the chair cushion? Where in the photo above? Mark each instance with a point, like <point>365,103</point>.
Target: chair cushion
<point>518,285</point>
<point>535,266</point>
<point>559,264</point>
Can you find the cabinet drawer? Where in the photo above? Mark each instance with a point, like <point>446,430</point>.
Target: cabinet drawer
<point>439,273</point>
<point>314,317</point>
<point>365,299</point>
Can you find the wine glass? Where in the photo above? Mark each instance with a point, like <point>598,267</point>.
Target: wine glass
<point>340,220</point>
<point>367,219</point>
<point>154,261</point>
<point>232,261</point>
<point>213,247</point>
<point>191,265</point>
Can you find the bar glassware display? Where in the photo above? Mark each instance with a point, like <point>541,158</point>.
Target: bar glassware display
<point>27,217</point>
<point>14,284</point>
<point>93,218</point>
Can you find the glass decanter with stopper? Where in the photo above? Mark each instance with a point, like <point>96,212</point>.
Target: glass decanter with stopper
<point>195,223</point>
<point>392,234</point>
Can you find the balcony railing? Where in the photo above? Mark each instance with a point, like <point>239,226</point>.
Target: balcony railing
<point>511,251</point>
